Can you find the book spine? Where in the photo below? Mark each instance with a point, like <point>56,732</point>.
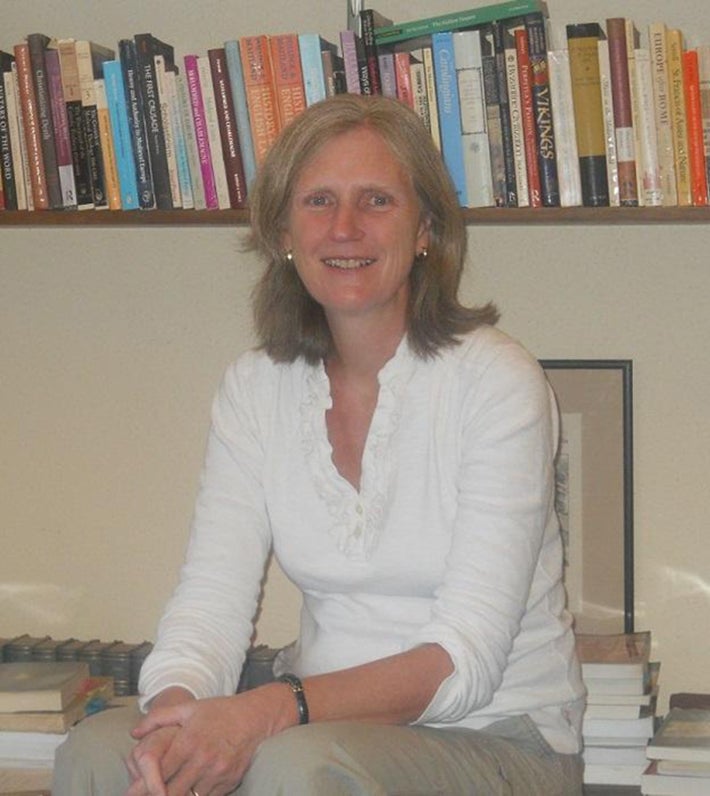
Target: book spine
<point>24,154</point>
<point>288,77</point>
<point>108,154</point>
<point>7,171</point>
<point>183,166</point>
<point>498,38</point>
<point>565,139</point>
<point>155,137</point>
<point>495,132</point>
<point>236,181</point>
<point>588,112</point>
<point>62,140</point>
<point>309,45</point>
<point>647,161</point>
<point>15,135</point>
<point>209,103</point>
<point>166,124</point>
<point>704,77</point>
<point>449,111</point>
<point>90,123</point>
<point>201,137</point>
<point>260,93</point>
<point>679,119</point>
<point>458,20</point>
<point>612,170</point>
<point>420,97</point>
<point>348,48</point>
<point>241,110</point>
<point>474,131</point>
<point>123,149</point>
<point>430,80</point>
<point>542,102</point>
<point>696,150</point>
<point>516,125</point>
<point>403,77</point>
<point>367,32</point>
<point>387,75</point>
<point>30,118</point>
<point>662,105</point>
<point>528,117</point>
<point>193,158</point>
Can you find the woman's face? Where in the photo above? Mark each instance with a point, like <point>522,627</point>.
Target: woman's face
<point>355,226</point>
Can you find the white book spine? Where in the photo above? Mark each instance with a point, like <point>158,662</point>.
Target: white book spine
<point>612,167</point>
<point>193,158</point>
<point>647,165</point>
<point>168,131</point>
<point>516,124</point>
<point>208,98</point>
<point>565,138</point>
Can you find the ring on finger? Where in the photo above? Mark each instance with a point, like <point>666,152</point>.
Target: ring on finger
<point>194,792</point>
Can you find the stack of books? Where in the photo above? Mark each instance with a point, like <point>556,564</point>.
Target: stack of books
<point>622,687</point>
<point>680,750</point>
<point>39,703</point>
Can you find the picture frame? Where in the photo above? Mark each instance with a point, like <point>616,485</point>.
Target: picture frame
<point>594,489</point>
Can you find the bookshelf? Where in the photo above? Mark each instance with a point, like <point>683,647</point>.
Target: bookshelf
<point>523,216</point>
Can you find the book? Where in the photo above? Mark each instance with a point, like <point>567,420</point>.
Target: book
<point>683,768</point>
<point>288,77</point>
<point>527,117</point>
<point>229,137</point>
<point>209,102</point>
<point>197,106</point>
<point>349,46</point>
<point>515,105</point>
<point>241,111</point>
<point>468,62</point>
<point>458,20</point>
<point>163,76</point>
<point>29,749</point>
<point>430,81</point>
<point>31,127</point>
<point>89,60</point>
<point>612,170</point>
<point>493,121</point>
<point>585,78</point>
<point>684,734</point>
<point>39,685</point>
<point>403,77</point>
<point>624,134</point>
<point>610,774</point>
<point>387,75</point>
<point>647,153</point>
<point>615,655</point>
<point>93,695</point>
<point>449,111</point>
<point>640,727</point>
<point>370,20</point>
<point>147,47</point>
<point>679,119</point>
<point>703,52</point>
<point>37,44</point>
<point>137,123</point>
<point>657,44</point>
<point>497,33</point>
<point>655,783</point>
<point>310,46</point>
<point>545,126</point>
<point>420,96</point>
<point>108,154</point>
<point>8,189</point>
<point>694,114</point>
<point>23,158</point>
<point>193,159</point>
<point>260,92</point>
<point>176,119</point>
<point>62,139</point>
<point>16,137</point>
<point>123,149</point>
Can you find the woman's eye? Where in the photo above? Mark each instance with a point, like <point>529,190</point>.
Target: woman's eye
<point>379,200</point>
<point>317,200</point>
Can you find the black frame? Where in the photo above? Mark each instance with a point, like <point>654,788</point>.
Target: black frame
<point>624,366</point>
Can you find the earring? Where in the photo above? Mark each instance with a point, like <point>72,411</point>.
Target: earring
<point>423,254</point>
<point>289,256</point>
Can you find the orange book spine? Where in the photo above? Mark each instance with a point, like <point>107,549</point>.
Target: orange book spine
<point>31,131</point>
<point>261,96</point>
<point>694,114</point>
<point>288,76</point>
<point>529,125</point>
<point>403,78</point>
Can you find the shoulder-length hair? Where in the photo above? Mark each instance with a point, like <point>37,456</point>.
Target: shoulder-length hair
<point>289,323</point>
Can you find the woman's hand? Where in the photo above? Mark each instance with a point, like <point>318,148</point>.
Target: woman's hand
<point>206,744</point>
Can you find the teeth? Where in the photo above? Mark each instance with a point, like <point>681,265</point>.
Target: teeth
<point>348,264</point>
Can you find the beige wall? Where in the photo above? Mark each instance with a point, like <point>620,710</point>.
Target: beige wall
<point>113,341</point>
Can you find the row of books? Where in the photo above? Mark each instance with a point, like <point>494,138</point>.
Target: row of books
<point>525,113</point>
<point>620,716</point>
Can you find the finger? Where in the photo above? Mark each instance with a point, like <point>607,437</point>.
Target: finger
<point>161,717</point>
<point>149,773</point>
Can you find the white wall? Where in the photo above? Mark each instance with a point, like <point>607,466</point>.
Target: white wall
<point>113,341</point>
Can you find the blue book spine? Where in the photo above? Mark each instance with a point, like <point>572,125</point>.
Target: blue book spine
<point>118,114</point>
<point>241,110</point>
<point>309,46</point>
<point>447,95</point>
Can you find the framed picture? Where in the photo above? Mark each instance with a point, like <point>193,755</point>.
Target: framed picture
<point>594,489</point>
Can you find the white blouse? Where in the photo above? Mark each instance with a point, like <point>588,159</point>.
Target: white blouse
<point>452,537</point>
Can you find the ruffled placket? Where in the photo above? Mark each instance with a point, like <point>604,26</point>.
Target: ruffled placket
<point>357,518</point>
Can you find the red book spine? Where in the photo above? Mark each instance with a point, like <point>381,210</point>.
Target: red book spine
<point>528,108</point>
<point>261,96</point>
<point>694,114</point>
<point>403,78</point>
<point>288,76</point>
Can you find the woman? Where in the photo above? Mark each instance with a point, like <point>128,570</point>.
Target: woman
<point>396,452</point>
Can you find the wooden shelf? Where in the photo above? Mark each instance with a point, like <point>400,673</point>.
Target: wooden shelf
<point>614,216</point>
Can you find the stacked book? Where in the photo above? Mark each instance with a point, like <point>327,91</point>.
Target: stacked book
<point>622,687</point>
<point>680,750</point>
<point>526,113</point>
<point>39,703</point>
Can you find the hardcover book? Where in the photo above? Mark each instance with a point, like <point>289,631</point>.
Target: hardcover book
<point>613,655</point>
<point>241,110</point>
<point>260,92</point>
<point>658,46</point>
<point>39,685</point>
<point>62,138</point>
<point>684,734</point>
<point>8,190</point>
<point>679,119</point>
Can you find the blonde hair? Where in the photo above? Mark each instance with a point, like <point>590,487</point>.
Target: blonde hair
<point>289,323</point>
